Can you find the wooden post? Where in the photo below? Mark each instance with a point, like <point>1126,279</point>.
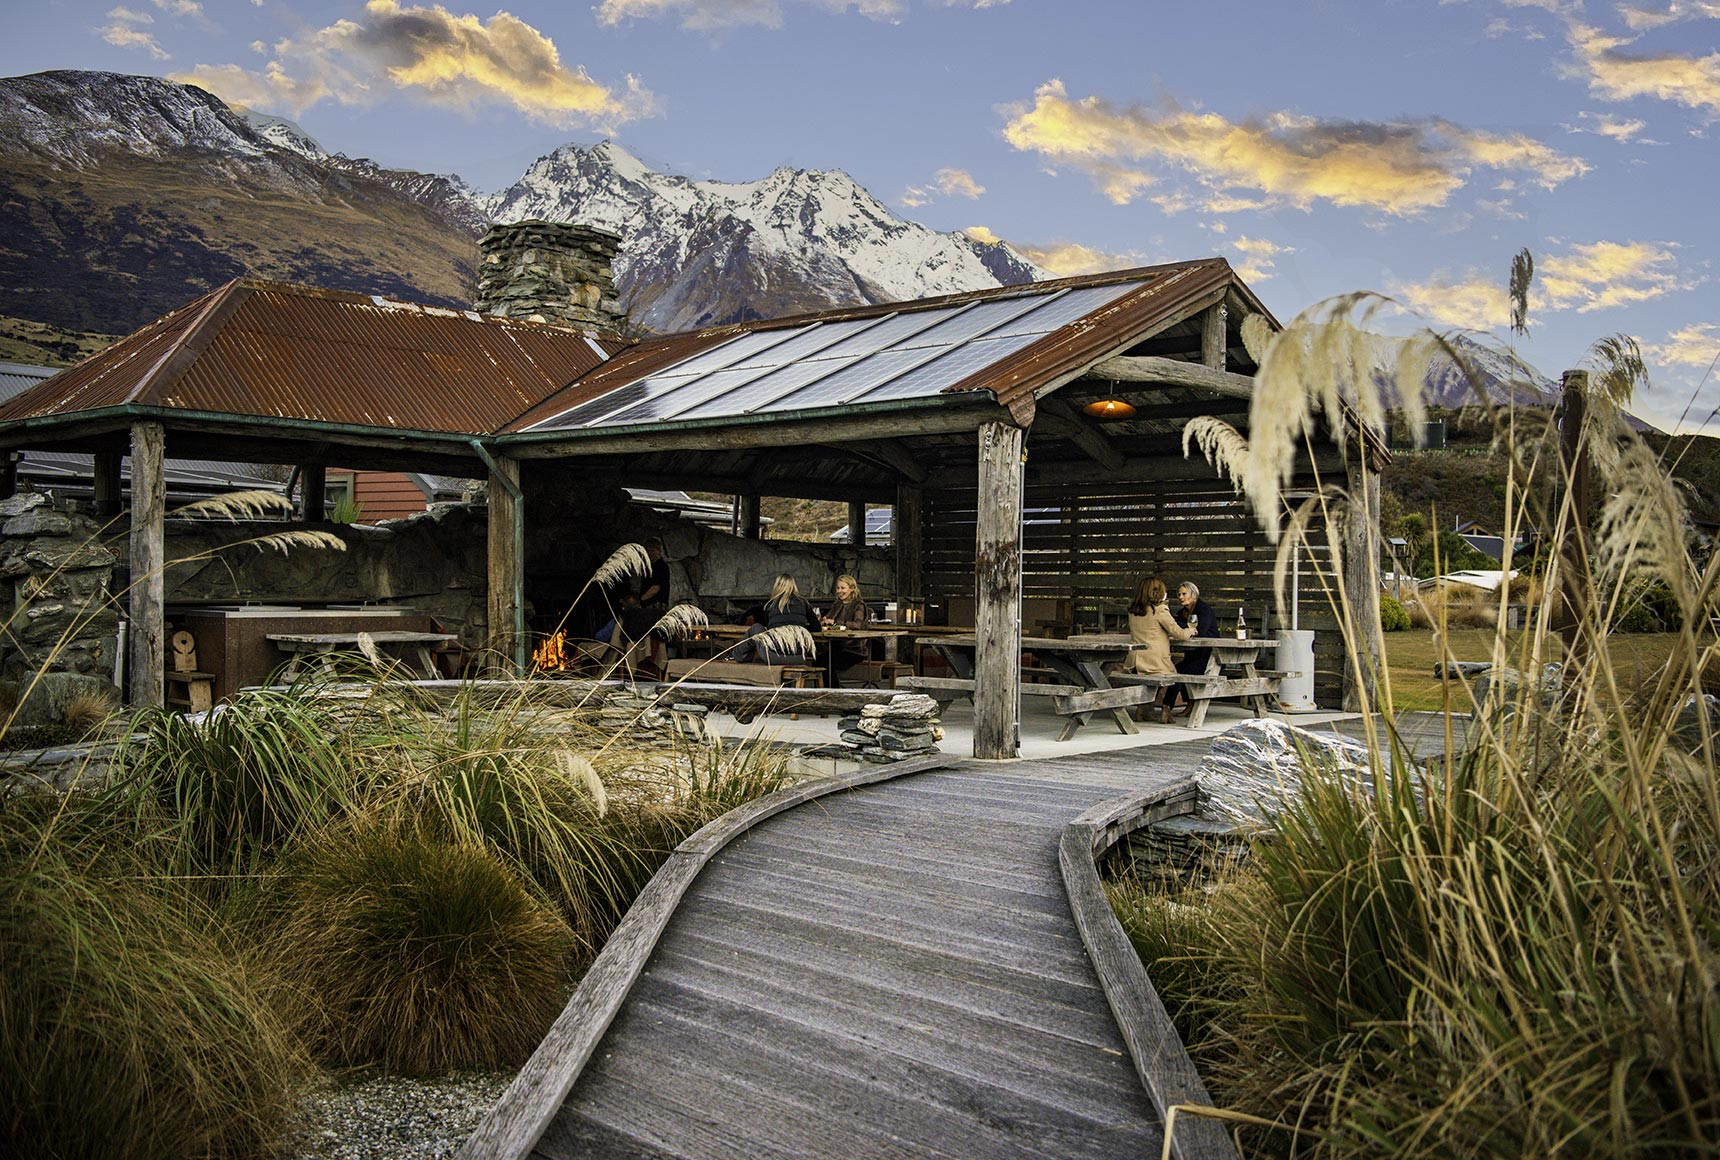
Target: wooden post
<point>856,524</point>
<point>997,594</point>
<point>146,680</point>
<point>1212,337</point>
<point>749,517</point>
<point>907,522</point>
<point>313,492</point>
<point>8,474</point>
<point>506,584</point>
<point>106,477</point>
<point>1574,553</point>
<point>1361,582</point>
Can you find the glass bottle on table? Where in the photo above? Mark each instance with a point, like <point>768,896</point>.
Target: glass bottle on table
<point>1241,626</point>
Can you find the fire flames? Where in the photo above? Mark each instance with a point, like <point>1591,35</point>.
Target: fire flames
<point>553,654</point>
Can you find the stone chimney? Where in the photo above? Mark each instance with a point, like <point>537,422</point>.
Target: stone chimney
<point>551,272</point>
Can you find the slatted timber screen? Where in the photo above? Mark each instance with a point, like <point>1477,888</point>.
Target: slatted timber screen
<point>1090,544</point>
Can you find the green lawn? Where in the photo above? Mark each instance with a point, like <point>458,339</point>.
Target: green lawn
<point>1411,654</point>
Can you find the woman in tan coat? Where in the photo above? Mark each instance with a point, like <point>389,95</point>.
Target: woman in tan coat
<point>1151,624</point>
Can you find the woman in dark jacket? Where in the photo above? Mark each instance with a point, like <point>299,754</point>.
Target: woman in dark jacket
<point>785,607</point>
<point>849,611</point>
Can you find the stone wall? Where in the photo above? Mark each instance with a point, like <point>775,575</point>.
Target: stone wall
<point>56,599</point>
<point>551,272</point>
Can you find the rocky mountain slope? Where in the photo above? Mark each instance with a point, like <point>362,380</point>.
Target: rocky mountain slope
<point>123,197</point>
<point>701,253</point>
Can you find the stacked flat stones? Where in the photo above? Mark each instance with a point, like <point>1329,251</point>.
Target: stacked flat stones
<point>550,272</point>
<point>55,598</point>
<point>649,720</point>
<point>897,730</point>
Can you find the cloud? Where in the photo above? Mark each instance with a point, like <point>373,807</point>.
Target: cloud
<point>122,31</point>
<point>1587,277</point>
<point>1399,168</point>
<point>180,7</point>
<point>456,60</point>
<point>1259,257</point>
<point>1064,259</point>
<point>1696,345</point>
<point>707,14</point>
<point>946,182</point>
<point>1619,129</point>
<point>1612,75</point>
<point>1642,17</point>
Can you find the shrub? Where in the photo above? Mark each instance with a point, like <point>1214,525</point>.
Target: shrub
<point>128,1033</point>
<point>418,955</point>
<point>1393,618</point>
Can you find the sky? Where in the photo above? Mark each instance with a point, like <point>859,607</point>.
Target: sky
<point>1408,148</point>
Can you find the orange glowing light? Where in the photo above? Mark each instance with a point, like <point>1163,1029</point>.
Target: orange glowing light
<point>553,654</point>
<point>1109,409</point>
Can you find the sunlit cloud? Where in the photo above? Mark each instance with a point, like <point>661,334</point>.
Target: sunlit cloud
<point>1064,259</point>
<point>180,7</point>
<point>1692,81</point>
<point>1399,168</point>
<point>706,14</point>
<point>1585,278</point>
<point>122,31</point>
<point>945,182</point>
<point>1643,17</point>
<point>1259,257</point>
<point>1620,129</point>
<point>1696,345</point>
<point>457,60</point>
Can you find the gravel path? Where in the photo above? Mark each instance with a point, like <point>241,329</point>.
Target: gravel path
<point>390,1118</point>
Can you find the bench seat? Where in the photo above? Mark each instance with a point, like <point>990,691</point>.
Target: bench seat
<point>726,672</point>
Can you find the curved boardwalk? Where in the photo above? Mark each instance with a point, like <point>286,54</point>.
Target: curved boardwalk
<point>888,971</point>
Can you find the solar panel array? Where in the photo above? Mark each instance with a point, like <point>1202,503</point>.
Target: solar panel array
<point>912,354</point>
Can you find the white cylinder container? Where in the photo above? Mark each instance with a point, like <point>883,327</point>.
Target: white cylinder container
<point>1296,655</point>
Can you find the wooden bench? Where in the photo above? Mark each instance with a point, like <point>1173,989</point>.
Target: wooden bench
<point>324,645</point>
<point>946,690</point>
<point>726,672</point>
<point>875,674</point>
<point>191,691</point>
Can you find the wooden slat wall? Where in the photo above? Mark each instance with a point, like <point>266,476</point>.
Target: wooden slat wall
<point>1093,542</point>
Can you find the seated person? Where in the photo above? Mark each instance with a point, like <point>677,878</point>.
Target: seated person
<point>1151,624</point>
<point>849,611</point>
<point>786,606</point>
<point>1197,614</point>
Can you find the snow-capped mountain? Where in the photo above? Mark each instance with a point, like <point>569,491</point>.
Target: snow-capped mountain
<point>134,194</point>
<point>699,253</point>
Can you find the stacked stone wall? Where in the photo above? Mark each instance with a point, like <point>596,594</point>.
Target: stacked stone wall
<point>551,272</point>
<point>57,598</point>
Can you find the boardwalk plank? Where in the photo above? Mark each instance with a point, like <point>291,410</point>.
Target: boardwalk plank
<point>1004,871</point>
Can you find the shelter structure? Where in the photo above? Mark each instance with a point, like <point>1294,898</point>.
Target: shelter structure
<point>1027,437</point>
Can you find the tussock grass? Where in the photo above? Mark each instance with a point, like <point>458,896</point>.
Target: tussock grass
<point>130,1031</point>
<point>417,955</point>
<point>1517,952</point>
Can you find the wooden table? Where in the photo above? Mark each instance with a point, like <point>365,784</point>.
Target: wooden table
<point>406,646</point>
<point>715,638</point>
<point>1090,689</point>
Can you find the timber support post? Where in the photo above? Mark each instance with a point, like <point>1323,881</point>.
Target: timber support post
<point>749,517</point>
<point>1362,584</point>
<point>907,522</point>
<point>856,524</point>
<point>146,678</point>
<point>313,492</point>
<point>105,479</point>
<point>1213,343</point>
<point>506,584</point>
<point>1574,460</point>
<point>997,594</point>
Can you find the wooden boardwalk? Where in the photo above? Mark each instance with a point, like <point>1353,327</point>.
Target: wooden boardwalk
<point>887,971</point>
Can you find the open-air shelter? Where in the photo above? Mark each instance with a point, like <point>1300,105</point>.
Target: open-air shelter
<point>1028,437</point>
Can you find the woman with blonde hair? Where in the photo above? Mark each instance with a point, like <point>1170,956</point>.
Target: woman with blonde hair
<point>848,612</point>
<point>785,606</point>
<point>1151,624</point>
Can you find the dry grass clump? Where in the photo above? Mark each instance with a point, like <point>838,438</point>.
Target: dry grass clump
<point>418,955</point>
<point>1517,953</point>
<point>89,712</point>
<point>129,1032</point>
<point>1453,606</point>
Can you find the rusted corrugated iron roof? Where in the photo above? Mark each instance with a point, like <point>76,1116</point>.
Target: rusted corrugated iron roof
<point>1010,340</point>
<point>298,352</point>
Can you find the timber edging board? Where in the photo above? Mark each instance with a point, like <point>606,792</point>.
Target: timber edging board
<point>1160,1059</point>
<point>531,1101</point>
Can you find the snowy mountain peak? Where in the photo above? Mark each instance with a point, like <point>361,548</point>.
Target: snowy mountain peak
<point>700,253</point>
<point>284,133</point>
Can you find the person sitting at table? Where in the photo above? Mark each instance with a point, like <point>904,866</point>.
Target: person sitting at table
<point>785,606</point>
<point>1198,614</point>
<point>1151,624</point>
<point>849,611</point>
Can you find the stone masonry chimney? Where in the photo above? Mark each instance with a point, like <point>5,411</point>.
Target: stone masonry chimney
<point>551,272</point>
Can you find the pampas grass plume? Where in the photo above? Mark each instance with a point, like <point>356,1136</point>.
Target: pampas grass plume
<point>786,638</point>
<point>579,770</point>
<point>681,620</point>
<point>629,561</point>
<point>237,505</point>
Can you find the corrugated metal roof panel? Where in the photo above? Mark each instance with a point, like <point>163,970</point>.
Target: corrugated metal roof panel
<point>297,352</point>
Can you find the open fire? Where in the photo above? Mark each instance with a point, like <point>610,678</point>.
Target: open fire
<point>554,654</point>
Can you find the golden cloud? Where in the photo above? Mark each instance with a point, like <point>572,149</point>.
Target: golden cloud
<point>453,59</point>
<point>1696,345</point>
<point>1064,259</point>
<point>1641,17</point>
<point>1616,76</point>
<point>947,182</point>
<point>122,35</point>
<point>1396,167</point>
<point>1259,257</point>
<point>1588,277</point>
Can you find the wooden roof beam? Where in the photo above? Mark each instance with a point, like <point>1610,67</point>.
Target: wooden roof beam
<point>1173,372</point>
<point>888,454</point>
<point>1061,421</point>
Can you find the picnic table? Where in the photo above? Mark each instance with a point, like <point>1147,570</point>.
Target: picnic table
<point>1088,687</point>
<point>712,639</point>
<point>414,649</point>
